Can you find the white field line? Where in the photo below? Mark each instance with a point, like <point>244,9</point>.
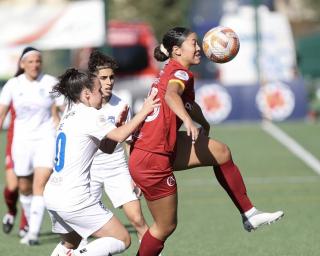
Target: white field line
<point>292,145</point>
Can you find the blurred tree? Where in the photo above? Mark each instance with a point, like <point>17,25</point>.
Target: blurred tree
<point>314,5</point>
<point>160,14</point>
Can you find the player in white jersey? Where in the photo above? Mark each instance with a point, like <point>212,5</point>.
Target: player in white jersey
<point>110,171</point>
<point>34,134</point>
<point>83,129</point>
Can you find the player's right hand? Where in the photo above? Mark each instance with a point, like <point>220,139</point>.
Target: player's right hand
<point>122,117</point>
<point>192,129</point>
<point>150,103</point>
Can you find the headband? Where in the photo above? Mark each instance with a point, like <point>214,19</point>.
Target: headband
<point>26,54</point>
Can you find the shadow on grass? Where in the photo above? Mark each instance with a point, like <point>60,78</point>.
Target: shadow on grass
<point>52,238</point>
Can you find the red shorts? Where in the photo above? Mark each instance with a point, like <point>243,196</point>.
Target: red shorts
<point>153,173</point>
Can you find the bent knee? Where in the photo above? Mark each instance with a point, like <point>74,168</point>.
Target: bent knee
<point>166,231</point>
<point>220,151</point>
<point>137,221</point>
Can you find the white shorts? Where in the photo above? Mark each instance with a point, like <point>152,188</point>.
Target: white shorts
<point>28,155</point>
<point>117,183</point>
<point>85,221</point>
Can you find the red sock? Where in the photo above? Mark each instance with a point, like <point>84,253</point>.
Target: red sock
<point>23,220</point>
<point>150,246</point>
<point>11,198</point>
<point>231,180</point>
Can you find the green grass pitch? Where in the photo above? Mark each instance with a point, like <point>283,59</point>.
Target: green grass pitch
<point>209,224</point>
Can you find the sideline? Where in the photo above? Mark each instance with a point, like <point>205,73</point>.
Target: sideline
<point>292,145</point>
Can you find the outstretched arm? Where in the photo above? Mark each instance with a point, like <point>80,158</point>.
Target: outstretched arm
<point>121,133</point>
<point>108,145</point>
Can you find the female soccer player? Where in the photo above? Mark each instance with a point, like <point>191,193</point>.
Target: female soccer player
<point>159,148</point>
<point>34,134</point>
<point>110,171</point>
<point>74,212</point>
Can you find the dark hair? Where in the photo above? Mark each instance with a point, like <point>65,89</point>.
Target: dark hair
<point>98,60</point>
<point>174,37</point>
<point>71,83</point>
<point>25,51</point>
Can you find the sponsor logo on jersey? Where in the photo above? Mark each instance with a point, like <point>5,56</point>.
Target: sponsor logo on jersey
<point>275,101</point>
<point>112,119</point>
<point>215,102</point>
<point>101,120</point>
<point>171,181</point>
<point>181,74</point>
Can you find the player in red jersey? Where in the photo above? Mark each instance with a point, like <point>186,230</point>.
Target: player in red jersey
<point>159,148</point>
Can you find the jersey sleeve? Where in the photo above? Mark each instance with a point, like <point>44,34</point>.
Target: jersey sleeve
<point>179,76</point>
<point>99,125</point>
<point>6,94</point>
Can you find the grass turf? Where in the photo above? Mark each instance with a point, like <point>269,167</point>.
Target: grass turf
<point>209,224</point>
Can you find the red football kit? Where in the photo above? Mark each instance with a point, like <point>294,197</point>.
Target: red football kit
<point>152,154</point>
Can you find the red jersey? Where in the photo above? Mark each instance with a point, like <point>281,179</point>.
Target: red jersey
<point>158,133</point>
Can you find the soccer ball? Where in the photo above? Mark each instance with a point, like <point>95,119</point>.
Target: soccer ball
<point>221,44</point>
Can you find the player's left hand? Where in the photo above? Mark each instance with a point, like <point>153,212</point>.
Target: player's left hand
<point>136,190</point>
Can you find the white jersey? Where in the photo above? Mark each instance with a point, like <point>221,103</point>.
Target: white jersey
<point>79,134</point>
<point>32,103</point>
<point>111,110</point>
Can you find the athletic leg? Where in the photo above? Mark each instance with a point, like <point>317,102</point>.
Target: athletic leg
<point>37,208</point>
<point>10,194</point>
<point>25,190</point>
<point>164,213</point>
<point>210,152</point>
<point>134,214</point>
<point>112,239</point>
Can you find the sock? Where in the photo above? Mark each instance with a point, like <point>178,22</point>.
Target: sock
<point>150,246</point>
<point>11,198</point>
<point>249,212</point>
<point>103,246</point>
<point>61,250</point>
<point>229,177</point>
<point>36,215</point>
<point>23,220</point>
<point>26,203</point>
<point>83,242</point>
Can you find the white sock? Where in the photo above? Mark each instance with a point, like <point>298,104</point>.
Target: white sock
<point>26,204</point>
<point>249,212</point>
<point>60,250</point>
<point>36,215</point>
<point>103,246</point>
<point>83,242</point>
